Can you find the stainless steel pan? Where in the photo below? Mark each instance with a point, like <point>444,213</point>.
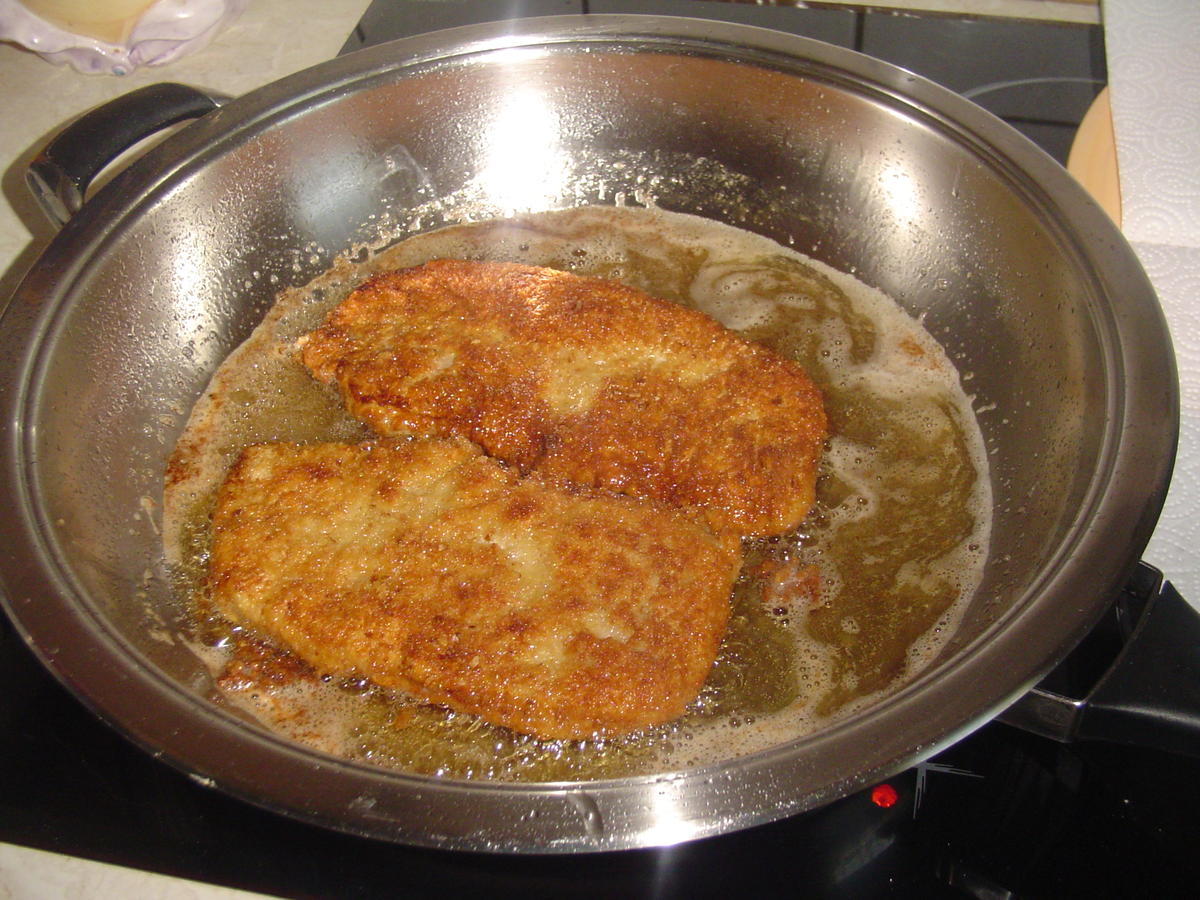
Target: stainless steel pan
<point>1032,290</point>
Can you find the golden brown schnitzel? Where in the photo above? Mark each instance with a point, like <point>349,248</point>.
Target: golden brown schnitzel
<point>583,380</point>
<point>426,566</point>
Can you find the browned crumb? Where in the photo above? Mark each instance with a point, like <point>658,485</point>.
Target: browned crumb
<point>425,566</point>
<point>583,380</point>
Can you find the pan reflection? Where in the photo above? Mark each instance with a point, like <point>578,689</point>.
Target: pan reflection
<point>671,825</point>
<point>524,166</point>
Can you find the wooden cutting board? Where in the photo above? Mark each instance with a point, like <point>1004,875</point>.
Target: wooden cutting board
<point>1093,156</point>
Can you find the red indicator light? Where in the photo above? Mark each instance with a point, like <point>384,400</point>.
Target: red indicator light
<point>884,796</point>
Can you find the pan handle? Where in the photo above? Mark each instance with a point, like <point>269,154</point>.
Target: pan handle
<point>60,175</point>
<point>1149,696</point>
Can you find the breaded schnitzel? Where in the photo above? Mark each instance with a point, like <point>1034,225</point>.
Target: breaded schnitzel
<point>580,379</point>
<point>426,566</point>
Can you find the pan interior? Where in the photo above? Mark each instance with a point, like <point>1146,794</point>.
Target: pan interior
<point>840,167</point>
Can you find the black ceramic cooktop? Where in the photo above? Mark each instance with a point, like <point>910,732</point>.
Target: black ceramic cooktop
<point>1001,814</point>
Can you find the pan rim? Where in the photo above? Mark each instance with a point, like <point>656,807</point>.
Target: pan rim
<point>80,241</point>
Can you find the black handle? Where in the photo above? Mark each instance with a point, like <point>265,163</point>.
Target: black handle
<point>1149,695</point>
<point>60,175</point>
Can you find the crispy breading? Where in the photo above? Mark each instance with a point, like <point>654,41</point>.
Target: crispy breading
<point>426,566</point>
<point>580,379</point>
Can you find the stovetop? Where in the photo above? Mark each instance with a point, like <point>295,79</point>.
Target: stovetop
<point>1000,814</point>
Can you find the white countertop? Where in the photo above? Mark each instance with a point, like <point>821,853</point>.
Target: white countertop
<point>36,875</point>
